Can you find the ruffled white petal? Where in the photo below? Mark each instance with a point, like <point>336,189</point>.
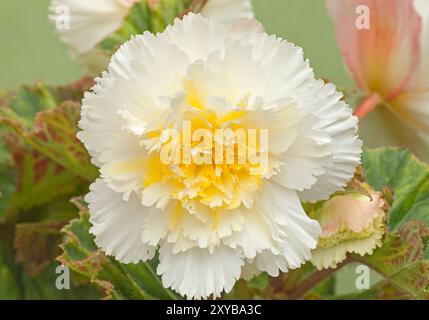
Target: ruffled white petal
<point>227,11</point>
<point>287,73</point>
<point>197,273</point>
<point>117,224</point>
<point>307,158</point>
<point>282,120</point>
<point>301,232</point>
<point>130,97</point>
<point>277,234</point>
<point>221,75</point>
<point>196,36</point>
<point>323,258</point>
<point>335,118</point>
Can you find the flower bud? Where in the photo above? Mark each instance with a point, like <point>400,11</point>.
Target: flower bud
<point>351,223</point>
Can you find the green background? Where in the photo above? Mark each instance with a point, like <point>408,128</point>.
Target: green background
<point>29,50</point>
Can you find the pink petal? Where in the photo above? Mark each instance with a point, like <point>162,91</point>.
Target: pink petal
<point>383,58</point>
<point>351,212</point>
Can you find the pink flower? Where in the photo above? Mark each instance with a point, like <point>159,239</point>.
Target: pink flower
<point>389,60</point>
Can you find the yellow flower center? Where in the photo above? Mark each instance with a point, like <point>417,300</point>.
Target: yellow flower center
<point>210,156</point>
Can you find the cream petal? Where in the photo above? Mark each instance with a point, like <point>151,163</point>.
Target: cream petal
<point>197,273</point>
<point>106,114</point>
<point>255,236</point>
<point>301,232</point>
<point>222,75</point>
<point>227,11</point>
<point>117,224</point>
<point>286,71</point>
<point>153,59</point>
<point>90,22</point>
<point>307,158</point>
<point>324,258</point>
<point>271,263</point>
<point>154,193</point>
<point>230,221</point>
<point>209,233</point>
<point>277,231</point>
<point>335,118</point>
<point>412,106</point>
<point>155,227</point>
<point>282,121</point>
<point>188,228</point>
<point>122,167</point>
<point>196,36</point>
<point>260,231</point>
<point>422,78</point>
<point>126,102</point>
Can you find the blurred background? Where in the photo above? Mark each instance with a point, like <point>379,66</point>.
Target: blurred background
<point>29,51</point>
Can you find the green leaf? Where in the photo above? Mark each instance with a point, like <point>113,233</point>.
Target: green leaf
<point>39,180</point>
<point>260,282</point>
<point>42,286</point>
<point>37,244</point>
<point>9,275</point>
<point>34,187</point>
<point>119,281</point>
<point>16,284</point>
<point>54,136</point>
<point>408,178</point>
<point>41,157</point>
<point>23,105</point>
<point>153,16</point>
<point>8,177</point>
<point>37,140</point>
<point>401,259</point>
<point>39,117</point>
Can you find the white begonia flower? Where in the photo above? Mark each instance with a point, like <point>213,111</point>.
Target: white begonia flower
<point>93,20</point>
<point>213,222</point>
